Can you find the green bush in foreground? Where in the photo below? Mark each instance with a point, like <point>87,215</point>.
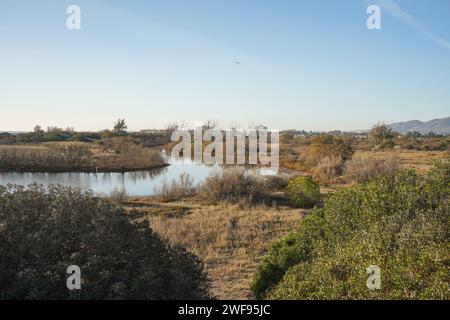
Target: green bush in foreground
<point>302,192</point>
<point>400,223</point>
<point>43,232</point>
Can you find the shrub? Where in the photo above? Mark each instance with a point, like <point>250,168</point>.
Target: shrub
<point>399,223</point>
<point>302,192</point>
<point>277,182</point>
<point>67,157</point>
<point>328,168</point>
<point>381,133</point>
<point>177,189</point>
<point>118,195</point>
<point>44,231</point>
<point>233,185</point>
<point>362,168</point>
<point>327,145</point>
<point>291,250</point>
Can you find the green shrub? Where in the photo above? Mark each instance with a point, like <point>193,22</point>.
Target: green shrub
<point>293,249</point>
<point>400,223</point>
<point>42,232</point>
<point>302,192</point>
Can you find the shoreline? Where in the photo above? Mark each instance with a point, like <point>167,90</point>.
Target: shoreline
<point>85,170</point>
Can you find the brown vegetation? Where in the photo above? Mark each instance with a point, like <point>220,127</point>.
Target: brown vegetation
<point>233,185</point>
<point>121,155</point>
<point>230,241</point>
<point>176,189</point>
<point>362,167</point>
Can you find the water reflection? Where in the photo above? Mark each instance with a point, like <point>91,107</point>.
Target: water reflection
<point>134,183</point>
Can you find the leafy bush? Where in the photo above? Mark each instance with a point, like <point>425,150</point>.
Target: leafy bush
<point>233,185</point>
<point>363,168</point>
<point>43,232</point>
<point>302,192</point>
<point>399,223</point>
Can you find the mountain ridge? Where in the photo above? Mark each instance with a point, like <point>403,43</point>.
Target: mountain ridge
<point>439,126</point>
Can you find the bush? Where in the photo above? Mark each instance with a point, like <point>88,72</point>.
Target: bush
<point>233,185</point>
<point>381,133</point>
<point>277,182</point>
<point>177,189</point>
<point>327,145</point>
<point>69,157</point>
<point>363,168</point>
<point>328,168</point>
<point>118,195</point>
<point>302,192</point>
<point>42,232</point>
<point>399,223</point>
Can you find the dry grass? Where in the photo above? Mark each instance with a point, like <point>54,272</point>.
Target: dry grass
<point>176,189</point>
<point>79,156</point>
<point>420,161</point>
<point>328,169</point>
<point>298,159</point>
<point>364,167</point>
<point>230,241</point>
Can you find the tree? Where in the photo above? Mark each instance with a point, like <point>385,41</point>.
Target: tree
<point>381,133</point>
<point>120,127</point>
<point>43,231</point>
<point>38,129</point>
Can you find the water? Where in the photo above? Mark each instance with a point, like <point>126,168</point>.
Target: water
<point>134,183</point>
<point>139,183</point>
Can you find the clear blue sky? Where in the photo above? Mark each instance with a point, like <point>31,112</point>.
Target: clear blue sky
<point>303,64</point>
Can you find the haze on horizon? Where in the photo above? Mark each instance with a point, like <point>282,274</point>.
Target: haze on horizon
<point>309,65</point>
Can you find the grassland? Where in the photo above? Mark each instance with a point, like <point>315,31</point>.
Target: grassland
<point>230,240</point>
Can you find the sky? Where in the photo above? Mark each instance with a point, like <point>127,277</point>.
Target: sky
<point>301,64</point>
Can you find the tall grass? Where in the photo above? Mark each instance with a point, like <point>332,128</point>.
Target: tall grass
<point>57,157</point>
<point>363,168</point>
<point>233,185</point>
<point>176,189</point>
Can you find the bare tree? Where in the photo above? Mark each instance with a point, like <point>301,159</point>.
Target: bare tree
<point>212,124</point>
<point>120,127</point>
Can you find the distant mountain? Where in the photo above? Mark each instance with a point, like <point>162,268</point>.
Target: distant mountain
<point>441,126</point>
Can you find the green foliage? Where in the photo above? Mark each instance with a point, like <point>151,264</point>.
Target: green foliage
<point>302,192</point>
<point>293,249</point>
<point>400,223</point>
<point>43,232</point>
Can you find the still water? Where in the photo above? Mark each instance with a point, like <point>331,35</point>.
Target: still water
<point>134,183</point>
<point>139,183</point>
